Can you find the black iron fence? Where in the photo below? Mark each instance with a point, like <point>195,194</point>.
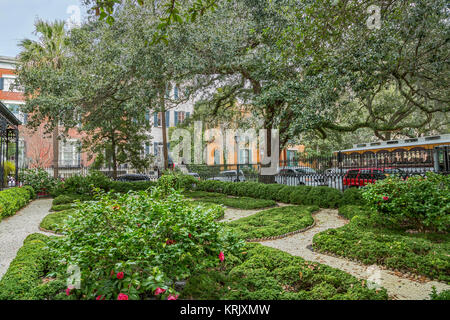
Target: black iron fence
<point>338,171</point>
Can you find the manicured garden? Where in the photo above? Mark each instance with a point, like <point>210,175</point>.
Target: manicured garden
<point>274,222</point>
<point>141,244</point>
<point>404,226</point>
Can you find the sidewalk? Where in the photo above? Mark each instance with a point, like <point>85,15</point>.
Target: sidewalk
<point>14,230</point>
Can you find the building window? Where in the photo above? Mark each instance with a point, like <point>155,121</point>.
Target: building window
<point>15,109</point>
<point>291,156</point>
<point>244,156</point>
<point>70,153</point>
<point>175,93</point>
<point>180,116</point>
<point>216,156</point>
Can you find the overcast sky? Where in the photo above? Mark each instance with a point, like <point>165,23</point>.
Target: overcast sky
<point>17,19</point>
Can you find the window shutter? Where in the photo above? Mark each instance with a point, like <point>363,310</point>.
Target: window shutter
<point>249,156</point>
<point>175,93</point>
<point>155,119</point>
<point>167,119</point>
<point>147,115</point>
<point>1,83</point>
<point>188,114</point>
<point>155,148</point>
<point>176,118</point>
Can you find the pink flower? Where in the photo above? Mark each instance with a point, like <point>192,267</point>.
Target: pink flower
<point>159,291</point>
<point>385,198</point>
<point>120,275</point>
<point>69,288</point>
<point>221,256</point>
<point>172,297</point>
<point>122,296</point>
<point>100,298</point>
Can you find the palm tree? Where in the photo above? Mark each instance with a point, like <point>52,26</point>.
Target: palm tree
<point>50,49</point>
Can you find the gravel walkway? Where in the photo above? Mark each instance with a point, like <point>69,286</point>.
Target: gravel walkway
<point>398,287</point>
<point>14,230</point>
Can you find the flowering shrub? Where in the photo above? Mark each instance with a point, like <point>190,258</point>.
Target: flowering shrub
<point>417,202</point>
<point>138,244</point>
<point>39,180</point>
<point>171,180</point>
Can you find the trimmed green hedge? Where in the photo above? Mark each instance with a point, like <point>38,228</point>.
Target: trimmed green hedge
<point>273,222</point>
<point>80,185</point>
<point>263,273</point>
<point>23,280</point>
<point>55,221</point>
<point>324,197</point>
<point>13,199</point>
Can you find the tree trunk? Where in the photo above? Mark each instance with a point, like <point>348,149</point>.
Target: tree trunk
<point>114,156</point>
<point>55,153</point>
<point>163,128</point>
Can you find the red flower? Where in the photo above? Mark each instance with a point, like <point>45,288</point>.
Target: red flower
<point>170,242</point>
<point>159,291</point>
<point>100,298</point>
<point>221,256</point>
<point>122,296</point>
<point>172,297</point>
<point>69,288</point>
<point>190,235</point>
<point>120,275</point>
<point>385,198</point>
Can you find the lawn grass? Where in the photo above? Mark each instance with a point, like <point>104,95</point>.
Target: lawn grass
<point>274,222</point>
<point>244,203</point>
<point>55,221</point>
<point>263,273</point>
<point>366,240</point>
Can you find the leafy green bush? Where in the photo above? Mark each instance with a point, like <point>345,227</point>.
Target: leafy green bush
<point>13,199</point>
<point>26,270</point>
<point>153,239</point>
<point>62,207</point>
<point>177,181</point>
<point>284,195</point>
<point>417,202</point>
<point>55,221</point>
<point>270,191</point>
<point>324,197</point>
<point>8,169</point>
<point>39,180</point>
<point>352,196</point>
<point>84,185</point>
<point>349,211</point>
<point>260,272</point>
<point>298,196</point>
<point>124,187</point>
<point>70,198</point>
<point>273,222</point>
<point>444,295</point>
<point>363,239</point>
<point>210,186</point>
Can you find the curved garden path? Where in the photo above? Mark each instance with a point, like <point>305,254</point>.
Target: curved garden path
<point>14,230</point>
<point>398,287</point>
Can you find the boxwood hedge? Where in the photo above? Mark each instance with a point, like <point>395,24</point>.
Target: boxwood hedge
<point>13,199</point>
<point>263,273</point>
<point>323,196</point>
